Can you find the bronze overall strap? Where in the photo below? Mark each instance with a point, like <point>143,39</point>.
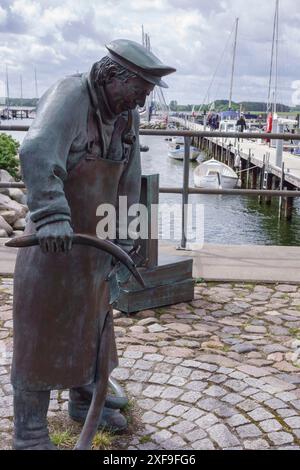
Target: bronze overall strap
<point>93,132</point>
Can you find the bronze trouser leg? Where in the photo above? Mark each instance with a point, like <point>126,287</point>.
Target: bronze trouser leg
<point>30,420</point>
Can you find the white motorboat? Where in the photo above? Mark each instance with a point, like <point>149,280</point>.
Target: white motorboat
<point>213,174</point>
<point>177,152</point>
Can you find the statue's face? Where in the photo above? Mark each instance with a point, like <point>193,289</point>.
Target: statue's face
<point>123,96</point>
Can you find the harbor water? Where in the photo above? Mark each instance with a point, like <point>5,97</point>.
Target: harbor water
<point>229,220</point>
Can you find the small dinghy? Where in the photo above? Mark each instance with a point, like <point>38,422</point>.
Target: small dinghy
<point>177,152</point>
<point>213,174</point>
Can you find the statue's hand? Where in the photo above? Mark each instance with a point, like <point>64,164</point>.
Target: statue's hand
<point>55,237</point>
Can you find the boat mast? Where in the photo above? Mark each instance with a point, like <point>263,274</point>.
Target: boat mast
<point>7,91</point>
<point>36,84</point>
<point>233,62</point>
<point>275,43</point>
<point>276,57</point>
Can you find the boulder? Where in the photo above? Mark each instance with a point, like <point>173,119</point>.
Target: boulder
<point>5,177</point>
<point>3,233</point>
<point>17,195</point>
<point>8,204</point>
<point>5,226</point>
<point>20,224</point>
<point>10,216</point>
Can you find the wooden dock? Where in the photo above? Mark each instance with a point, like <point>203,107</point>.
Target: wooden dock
<point>256,153</point>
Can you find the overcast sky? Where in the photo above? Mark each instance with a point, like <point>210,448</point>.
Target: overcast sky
<point>59,38</point>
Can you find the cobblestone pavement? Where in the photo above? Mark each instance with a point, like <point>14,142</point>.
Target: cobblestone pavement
<point>221,372</point>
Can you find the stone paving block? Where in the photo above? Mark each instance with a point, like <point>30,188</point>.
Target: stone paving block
<point>191,397</point>
<point>233,398</point>
<point>196,386</point>
<point>217,378</point>
<point>161,436</point>
<point>294,422</point>
<point>223,436</point>
<point>140,376</point>
<point>270,425</point>
<point>225,411</point>
<point>260,414</point>
<point>150,417</point>
<point>207,421</point>
<point>148,404</point>
<point>124,362</point>
<point>167,421</point>
<point>247,405</point>
<point>209,404</point>
<point>177,381</point>
<point>200,375</point>
<point>163,368</point>
<point>183,427</point>
<point>153,357</point>
<point>280,438</point>
<point>174,443</point>
<point>182,371</point>
<point>203,444</point>
<point>225,370</point>
<point>248,430</point>
<point>195,435</point>
<point>171,392</point>
<point>256,444</point>
<point>237,420</point>
<point>178,410</point>
<point>235,385</point>
<point>254,371</point>
<point>133,354</point>
<point>215,391</point>
<point>286,412</point>
<point>143,365</point>
<point>250,391</point>
<point>162,406</point>
<point>153,391</point>
<point>192,414</point>
<point>261,397</point>
<point>207,367</point>
<point>276,404</point>
<point>159,378</point>
<point>296,404</point>
<point>121,373</point>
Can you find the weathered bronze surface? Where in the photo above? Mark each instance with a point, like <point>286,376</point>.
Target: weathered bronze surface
<point>81,151</point>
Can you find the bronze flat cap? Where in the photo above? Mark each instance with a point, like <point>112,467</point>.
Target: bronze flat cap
<point>136,58</point>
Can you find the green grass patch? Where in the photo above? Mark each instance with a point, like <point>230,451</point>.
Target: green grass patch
<point>103,441</point>
<point>145,439</point>
<point>63,439</point>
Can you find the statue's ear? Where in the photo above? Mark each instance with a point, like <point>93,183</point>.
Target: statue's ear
<point>111,73</point>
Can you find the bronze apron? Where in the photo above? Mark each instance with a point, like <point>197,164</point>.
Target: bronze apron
<point>61,300</point>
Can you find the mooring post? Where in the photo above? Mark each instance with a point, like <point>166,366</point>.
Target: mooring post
<point>248,169</point>
<point>185,192</point>
<point>281,188</point>
<point>261,178</point>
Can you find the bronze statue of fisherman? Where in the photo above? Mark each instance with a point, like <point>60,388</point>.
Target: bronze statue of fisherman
<point>81,151</point>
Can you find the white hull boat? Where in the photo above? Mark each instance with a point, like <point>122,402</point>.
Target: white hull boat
<point>177,152</point>
<point>214,175</point>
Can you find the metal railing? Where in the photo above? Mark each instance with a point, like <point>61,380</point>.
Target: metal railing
<point>185,191</point>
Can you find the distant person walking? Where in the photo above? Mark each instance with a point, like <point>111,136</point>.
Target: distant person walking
<point>241,124</point>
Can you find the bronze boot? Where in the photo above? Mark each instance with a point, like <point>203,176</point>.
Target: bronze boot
<point>111,418</point>
<point>30,421</point>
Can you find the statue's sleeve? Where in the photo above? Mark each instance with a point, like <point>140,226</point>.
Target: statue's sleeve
<point>129,186</point>
<point>44,153</point>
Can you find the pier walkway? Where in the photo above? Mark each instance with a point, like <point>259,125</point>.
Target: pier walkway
<point>224,263</point>
<point>256,151</point>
